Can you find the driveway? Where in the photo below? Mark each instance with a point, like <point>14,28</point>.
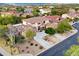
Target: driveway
<point>39,38</point>
<point>59,49</point>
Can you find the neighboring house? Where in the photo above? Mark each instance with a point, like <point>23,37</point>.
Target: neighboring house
<point>28,10</point>
<point>40,7</point>
<point>43,11</point>
<point>64,16</point>
<point>71,15</point>
<point>10,13</point>
<point>7,13</point>
<point>77,10</point>
<point>51,7</point>
<point>77,14</point>
<point>25,14</point>
<point>71,10</point>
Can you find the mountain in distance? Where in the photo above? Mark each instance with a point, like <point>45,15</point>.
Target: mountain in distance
<point>28,4</point>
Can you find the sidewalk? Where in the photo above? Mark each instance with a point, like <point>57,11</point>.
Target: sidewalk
<point>61,38</point>
<point>39,38</point>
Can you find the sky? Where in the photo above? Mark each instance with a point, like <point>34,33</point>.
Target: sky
<point>39,1</point>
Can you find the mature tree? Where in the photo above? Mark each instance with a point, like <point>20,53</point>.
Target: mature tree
<point>20,9</point>
<point>29,34</point>
<point>3,30</point>
<point>59,11</point>
<point>35,11</point>
<point>72,51</point>
<point>11,38</point>
<point>69,19</point>
<point>10,19</point>
<point>28,16</point>
<point>19,39</point>
<point>63,26</point>
<point>50,31</point>
<point>0,9</point>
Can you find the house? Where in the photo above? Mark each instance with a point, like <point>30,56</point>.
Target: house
<point>36,22</point>
<point>19,28</point>
<point>71,14</point>
<point>43,10</point>
<point>8,13</point>
<point>26,14</point>
<point>64,16</point>
<point>28,10</point>
<point>40,22</point>
<point>55,18</point>
<point>71,10</point>
<point>52,25</point>
<point>77,14</point>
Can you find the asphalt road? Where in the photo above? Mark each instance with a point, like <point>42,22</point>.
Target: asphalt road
<point>59,49</point>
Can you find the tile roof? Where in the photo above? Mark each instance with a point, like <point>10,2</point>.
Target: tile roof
<point>36,20</point>
<point>54,18</point>
<point>41,19</point>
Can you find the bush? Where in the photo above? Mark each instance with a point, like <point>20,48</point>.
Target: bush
<point>29,33</point>
<point>19,39</point>
<point>50,31</point>
<point>63,26</point>
<point>72,51</point>
<point>10,19</point>
<point>3,30</point>
<point>59,11</point>
<point>36,12</point>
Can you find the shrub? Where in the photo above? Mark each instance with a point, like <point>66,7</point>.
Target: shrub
<point>63,26</point>
<point>72,51</point>
<point>50,31</point>
<point>29,33</point>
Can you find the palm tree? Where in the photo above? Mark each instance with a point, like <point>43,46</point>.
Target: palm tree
<point>11,38</point>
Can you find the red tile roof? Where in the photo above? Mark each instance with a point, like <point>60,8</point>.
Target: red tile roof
<point>54,18</point>
<point>41,19</point>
